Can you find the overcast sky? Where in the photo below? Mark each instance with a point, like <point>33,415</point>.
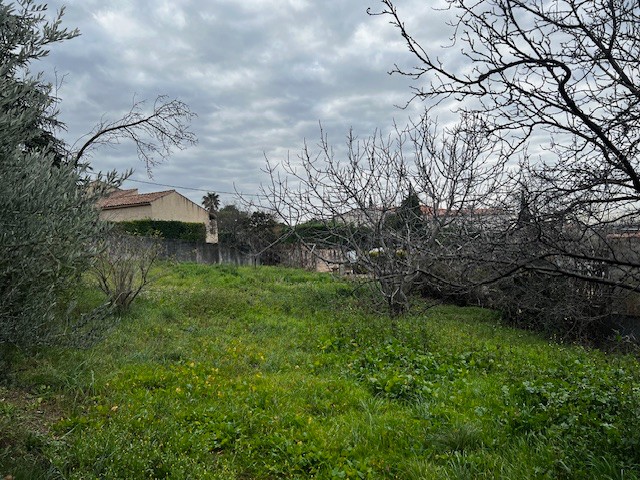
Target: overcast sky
<point>260,74</point>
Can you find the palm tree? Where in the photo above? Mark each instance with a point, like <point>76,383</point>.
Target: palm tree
<point>211,202</point>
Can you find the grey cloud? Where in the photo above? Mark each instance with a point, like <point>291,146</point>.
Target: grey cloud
<point>261,74</point>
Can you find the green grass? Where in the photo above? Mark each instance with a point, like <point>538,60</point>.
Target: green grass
<point>240,373</point>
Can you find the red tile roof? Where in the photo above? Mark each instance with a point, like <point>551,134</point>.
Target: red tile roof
<point>122,193</point>
<point>130,198</point>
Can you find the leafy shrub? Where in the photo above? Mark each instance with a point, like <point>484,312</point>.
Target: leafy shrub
<point>48,218</point>
<point>48,225</point>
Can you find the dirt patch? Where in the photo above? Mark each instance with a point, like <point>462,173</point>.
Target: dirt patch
<point>36,412</point>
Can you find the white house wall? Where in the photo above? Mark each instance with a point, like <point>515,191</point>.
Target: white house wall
<point>176,207</point>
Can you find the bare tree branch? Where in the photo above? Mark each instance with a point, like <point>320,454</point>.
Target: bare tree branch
<point>389,202</point>
<point>155,134</point>
<point>564,77</point>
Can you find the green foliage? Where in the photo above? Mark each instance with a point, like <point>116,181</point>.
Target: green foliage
<point>400,372</point>
<point>211,202</point>
<point>331,234</point>
<point>227,372</point>
<point>47,216</point>
<point>596,408</point>
<point>580,404</point>
<point>48,227</point>
<point>249,232</point>
<point>590,406</point>
<point>27,109</point>
<point>409,216</point>
<point>192,232</point>
<point>232,226</point>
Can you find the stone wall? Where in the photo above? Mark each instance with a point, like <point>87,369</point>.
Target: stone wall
<point>199,252</point>
<point>297,256</point>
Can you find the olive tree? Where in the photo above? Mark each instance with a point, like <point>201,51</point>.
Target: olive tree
<point>44,215</point>
<point>48,219</point>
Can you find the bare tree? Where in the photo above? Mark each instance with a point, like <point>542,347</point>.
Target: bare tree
<point>155,134</point>
<point>569,69</point>
<point>562,78</point>
<point>391,202</point>
<point>122,268</point>
<point>564,67</point>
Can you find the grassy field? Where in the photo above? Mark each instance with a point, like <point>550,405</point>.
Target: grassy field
<point>240,373</point>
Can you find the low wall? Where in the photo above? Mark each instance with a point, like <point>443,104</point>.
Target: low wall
<point>185,251</point>
<point>298,256</point>
<point>316,259</point>
<point>200,252</point>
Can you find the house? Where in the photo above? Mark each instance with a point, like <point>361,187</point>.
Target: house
<point>125,205</point>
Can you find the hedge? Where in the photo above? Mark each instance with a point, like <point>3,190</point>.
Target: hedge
<point>330,234</point>
<point>194,232</point>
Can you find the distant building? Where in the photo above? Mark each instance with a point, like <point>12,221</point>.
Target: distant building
<point>372,215</point>
<point>363,216</point>
<point>126,205</point>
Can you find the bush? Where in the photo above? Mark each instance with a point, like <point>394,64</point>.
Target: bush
<point>47,215</point>
<point>122,268</point>
<point>48,226</point>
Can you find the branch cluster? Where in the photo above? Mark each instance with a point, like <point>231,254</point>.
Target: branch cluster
<point>391,202</point>
<point>155,134</point>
